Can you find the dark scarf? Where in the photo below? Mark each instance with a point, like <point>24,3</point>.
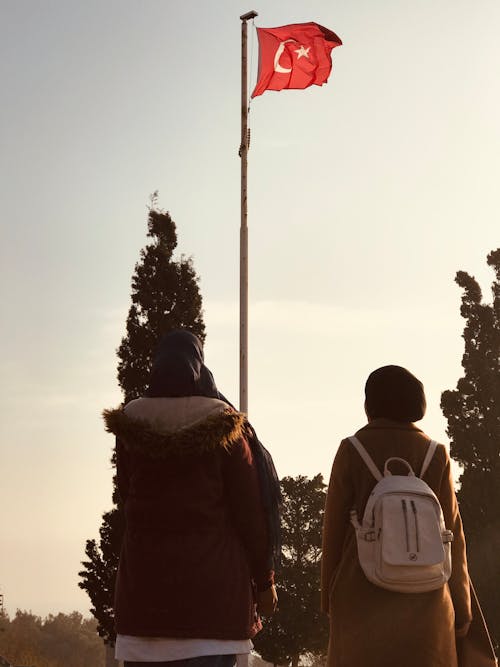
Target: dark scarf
<point>179,370</point>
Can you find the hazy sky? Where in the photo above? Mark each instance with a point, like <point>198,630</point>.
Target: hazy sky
<point>365,197</point>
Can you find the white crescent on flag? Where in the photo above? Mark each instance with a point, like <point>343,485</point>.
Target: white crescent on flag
<point>277,56</point>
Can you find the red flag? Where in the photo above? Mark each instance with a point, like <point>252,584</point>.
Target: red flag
<point>294,56</point>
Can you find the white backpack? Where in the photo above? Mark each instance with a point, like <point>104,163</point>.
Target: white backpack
<point>403,543</point>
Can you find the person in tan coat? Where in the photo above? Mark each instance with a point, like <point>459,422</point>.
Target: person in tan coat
<point>371,626</point>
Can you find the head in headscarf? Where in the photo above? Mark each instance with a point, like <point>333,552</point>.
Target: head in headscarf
<point>392,392</point>
<point>179,369</point>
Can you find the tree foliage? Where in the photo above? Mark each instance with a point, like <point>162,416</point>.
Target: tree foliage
<point>473,414</point>
<point>99,570</point>
<point>63,640</point>
<point>165,296</point>
<point>298,628</point>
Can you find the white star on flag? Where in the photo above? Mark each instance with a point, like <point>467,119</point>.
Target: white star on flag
<point>302,51</point>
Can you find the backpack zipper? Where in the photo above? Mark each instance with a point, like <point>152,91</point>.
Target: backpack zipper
<point>415,515</point>
<point>405,514</point>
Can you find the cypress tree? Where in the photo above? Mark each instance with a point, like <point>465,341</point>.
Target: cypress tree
<point>473,414</point>
<point>298,627</point>
<point>165,296</point>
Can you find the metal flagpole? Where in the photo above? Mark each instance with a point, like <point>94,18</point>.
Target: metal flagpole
<point>244,226</point>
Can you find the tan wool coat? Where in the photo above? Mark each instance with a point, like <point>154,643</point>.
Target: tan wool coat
<point>371,626</point>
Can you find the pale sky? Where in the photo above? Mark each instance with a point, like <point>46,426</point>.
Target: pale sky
<point>365,197</point>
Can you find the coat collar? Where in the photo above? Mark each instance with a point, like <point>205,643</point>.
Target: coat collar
<point>213,432</point>
<point>385,424</point>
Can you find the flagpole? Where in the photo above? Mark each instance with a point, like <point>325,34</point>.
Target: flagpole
<point>244,222</point>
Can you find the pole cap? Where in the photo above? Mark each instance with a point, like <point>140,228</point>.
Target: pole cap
<point>249,15</point>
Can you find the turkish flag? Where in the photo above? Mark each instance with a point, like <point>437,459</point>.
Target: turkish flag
<point>294,56</point>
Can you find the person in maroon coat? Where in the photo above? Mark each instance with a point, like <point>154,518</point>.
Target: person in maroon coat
<point>200,497</point>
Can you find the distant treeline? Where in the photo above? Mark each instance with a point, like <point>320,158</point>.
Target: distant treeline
<point>64,640</point>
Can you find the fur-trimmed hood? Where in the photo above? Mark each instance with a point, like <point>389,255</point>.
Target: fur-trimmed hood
<point>193,434</point>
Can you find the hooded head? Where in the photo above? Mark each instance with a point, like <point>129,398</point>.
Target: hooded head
<point>178,368</point>
<point>392,392</point>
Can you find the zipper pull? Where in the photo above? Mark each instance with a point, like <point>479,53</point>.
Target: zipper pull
<point>415,516</point>
<point>405,513</point>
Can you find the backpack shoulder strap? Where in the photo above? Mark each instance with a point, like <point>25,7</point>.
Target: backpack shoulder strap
<point>428,457</point>
<point>366,458</point>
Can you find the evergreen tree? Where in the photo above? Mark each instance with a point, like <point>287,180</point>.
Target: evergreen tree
<point>298,628</point>
<point>473,414</point>
<point>99,570</point>
<point>165,296</point>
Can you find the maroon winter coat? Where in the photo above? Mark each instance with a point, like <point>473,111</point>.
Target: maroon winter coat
<point>195,546</point>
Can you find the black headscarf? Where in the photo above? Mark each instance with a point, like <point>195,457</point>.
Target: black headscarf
<point>394,393</point>
<point>179,370</point>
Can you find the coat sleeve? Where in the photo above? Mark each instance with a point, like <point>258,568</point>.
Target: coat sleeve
<point>122,471</point>
<point>244,496</point>
<point>459,580</point>
<point>339,502</point>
